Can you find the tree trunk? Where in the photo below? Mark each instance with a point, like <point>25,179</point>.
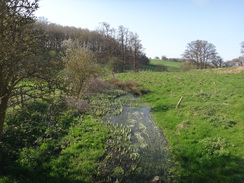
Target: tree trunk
<point>3,110</point>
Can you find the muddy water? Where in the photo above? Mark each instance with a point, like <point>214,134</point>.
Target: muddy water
<point>148,139</point>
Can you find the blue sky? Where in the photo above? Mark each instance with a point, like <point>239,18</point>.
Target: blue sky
<point>164,26</point>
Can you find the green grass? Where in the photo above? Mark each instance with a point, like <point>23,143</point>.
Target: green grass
<point>205,133</point>
<point>171,66</point>
<point>54,142</point>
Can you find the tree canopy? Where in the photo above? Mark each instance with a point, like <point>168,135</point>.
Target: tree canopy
<point>105,42</point>
<point>201,53</point>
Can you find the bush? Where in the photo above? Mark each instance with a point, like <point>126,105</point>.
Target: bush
<point>79,105</point>
<point>31,138</point>
<point>96,86</point>
<point>129,86</point>
<point>80,67</point>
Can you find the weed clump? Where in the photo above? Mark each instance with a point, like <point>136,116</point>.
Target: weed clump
<point>128,86</point>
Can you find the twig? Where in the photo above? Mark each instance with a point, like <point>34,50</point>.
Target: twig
<point>181,98</point>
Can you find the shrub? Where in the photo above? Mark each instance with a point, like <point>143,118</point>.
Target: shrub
<point>31,137</point>
<point>144,91</point>
<point>80,67</point>
<point>79,105</point>
<point>96,86</point>
<point>129,86</point>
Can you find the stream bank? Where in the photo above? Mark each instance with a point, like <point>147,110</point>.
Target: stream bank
<point>147,139</point>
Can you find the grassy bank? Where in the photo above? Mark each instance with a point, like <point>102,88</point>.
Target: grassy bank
<point>171,66</point>
<point>205,133</point>
<point>65,140</point>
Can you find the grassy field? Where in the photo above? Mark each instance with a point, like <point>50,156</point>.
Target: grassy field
<point>205,133</point>
<point>171,66</point>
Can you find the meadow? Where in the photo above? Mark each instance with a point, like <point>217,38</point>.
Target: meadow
<point>64,139</point>
<point>171,66</point>
<point>205,132</point>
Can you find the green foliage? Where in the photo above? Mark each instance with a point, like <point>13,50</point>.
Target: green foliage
<point>51,143</point>
<point>21,49</point>
<point>7,180</point>
<point>205,133</point>
<point>82,149</point>
<point>80,66</point>
<point>111,102</point>
<point>31,137</point>
<point>120,162</point>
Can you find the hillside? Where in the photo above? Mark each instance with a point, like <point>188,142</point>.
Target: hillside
<point>171,66</point>
<point>64,139</point>
<point>205,133</point>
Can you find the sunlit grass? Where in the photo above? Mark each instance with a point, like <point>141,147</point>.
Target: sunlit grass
<point>211,112</point>
<point>171,66</point>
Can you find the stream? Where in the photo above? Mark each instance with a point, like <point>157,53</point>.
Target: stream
<point>148,140</point>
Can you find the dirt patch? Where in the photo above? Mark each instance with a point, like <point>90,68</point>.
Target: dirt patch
<point>232,71</point>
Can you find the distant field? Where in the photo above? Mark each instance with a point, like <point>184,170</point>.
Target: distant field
<point>171,66</point>
<point>205,133</point>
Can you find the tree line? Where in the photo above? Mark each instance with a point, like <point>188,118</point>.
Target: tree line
<point>107,43</point>
<point>42,52</point>
<point>201,54</point>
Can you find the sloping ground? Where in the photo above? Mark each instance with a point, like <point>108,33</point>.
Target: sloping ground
<point>171,66</point>
<point>232,71</point>
<point>147,139</point>
<point>205,133</point>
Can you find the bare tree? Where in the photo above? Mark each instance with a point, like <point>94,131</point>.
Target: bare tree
<point>236,62</point>
<point>123,39</point>
<point>135,48</point>
<point>109,40</point>
<point>217,61</point>
<point>200,53</point>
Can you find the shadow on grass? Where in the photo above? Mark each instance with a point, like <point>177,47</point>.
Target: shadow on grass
<point>214,169</point>
<point>37,170</point>
<point>21,174</point>
<point>160,108</point>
